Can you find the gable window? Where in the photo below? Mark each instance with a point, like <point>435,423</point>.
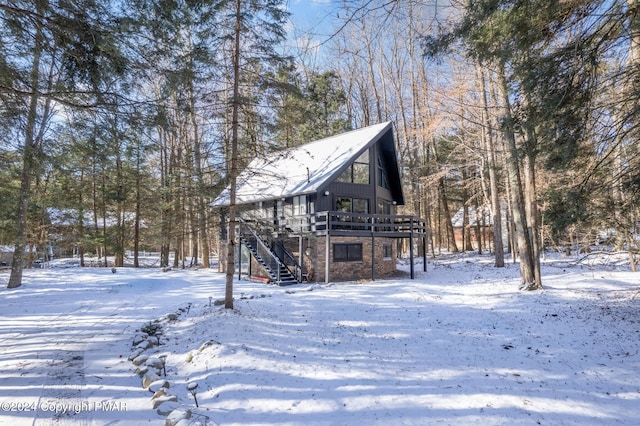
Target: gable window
<point>383,179</point>
<point>358,171</point>
<point>347,252</point>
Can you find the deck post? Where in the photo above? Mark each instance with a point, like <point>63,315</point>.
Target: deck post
<point>411,248</point>
<point>239,260</point>
<point>300,255</point>
<point>424,248</point>
<point>373,257</point>
<point>326,250</point>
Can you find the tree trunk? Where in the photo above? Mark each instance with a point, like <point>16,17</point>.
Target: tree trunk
<point>466,223</point>
<point>527,264</point>
<point>532,213</point>
<point>28,162</point>
<point>231,235</point>
<point>451,238</point>
<point>165,209</point>
<point>136,225</point>
<point>496,210</point>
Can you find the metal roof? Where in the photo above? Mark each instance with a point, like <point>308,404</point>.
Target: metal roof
<point>304,169</point>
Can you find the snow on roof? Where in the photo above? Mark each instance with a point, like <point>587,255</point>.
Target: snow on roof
<point>301,170</point>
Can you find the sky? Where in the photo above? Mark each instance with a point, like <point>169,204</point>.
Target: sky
<point>313,16</point>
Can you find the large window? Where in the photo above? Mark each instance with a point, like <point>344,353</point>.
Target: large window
<point>384,207</point>
<point>352,205</point>
<point>383,180</point>
<point>300,205</point>
<point>347,252</point>
<point>358,171</point>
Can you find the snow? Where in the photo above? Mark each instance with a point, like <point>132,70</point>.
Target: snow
<point>459,345</point>
<point>301,170</point>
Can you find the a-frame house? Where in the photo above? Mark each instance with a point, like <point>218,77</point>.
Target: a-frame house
<point>325,211</point>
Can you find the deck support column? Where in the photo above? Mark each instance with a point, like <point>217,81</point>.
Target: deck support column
<point>373,257</point>
<point>327,251</point>
<point>424,251</point>
<point>239,260</point>
<point>411,248</point>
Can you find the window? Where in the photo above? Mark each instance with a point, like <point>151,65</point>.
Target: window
<point>352,205</point>
<point>358,206</point>
<point>383,180</point>
<point>347,252</point>
<point>384,207</point>
<point>300,205</point>
<point>358,171</point>
<point>387,251</point>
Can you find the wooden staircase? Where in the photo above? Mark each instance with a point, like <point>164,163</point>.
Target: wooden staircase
<point>273,266</point>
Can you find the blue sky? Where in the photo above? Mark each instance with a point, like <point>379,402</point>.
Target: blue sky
<point>314,16</point>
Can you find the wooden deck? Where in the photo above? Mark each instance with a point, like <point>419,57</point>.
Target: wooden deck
<point>354,224</point>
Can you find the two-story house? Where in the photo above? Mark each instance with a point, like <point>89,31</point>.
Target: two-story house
<point>326,211</point>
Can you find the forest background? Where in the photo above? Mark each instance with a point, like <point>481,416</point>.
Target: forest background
<point>121,120</point>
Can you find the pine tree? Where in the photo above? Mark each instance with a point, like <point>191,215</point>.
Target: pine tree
<point>254,30</point>
<point>51,54</point>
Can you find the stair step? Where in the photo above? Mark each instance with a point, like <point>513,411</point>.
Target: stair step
<point>286,278</point>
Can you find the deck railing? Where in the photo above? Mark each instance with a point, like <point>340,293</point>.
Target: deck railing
<point>271,261</point>
<point>344,223</point>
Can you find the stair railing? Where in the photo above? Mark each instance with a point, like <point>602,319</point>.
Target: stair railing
<point>262,249</point>
<point>288,259</point>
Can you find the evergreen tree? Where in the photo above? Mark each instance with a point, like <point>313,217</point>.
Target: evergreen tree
<point>51,51</point>
<point>253,29</point>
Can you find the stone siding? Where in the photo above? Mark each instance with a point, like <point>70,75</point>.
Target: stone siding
<point>355,270</point>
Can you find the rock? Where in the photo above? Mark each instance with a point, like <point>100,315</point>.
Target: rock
<point>140,359</point>
<point>159,385</point>
<point>135,354</point>
<point>160,392</point>
<point>144,345</point>
<point>171,317</point>
<point>141,371</point>
<point>177,416</point>
<point>167,408</point>
<point>157,402</point>
<point>154,362</point>
<point>153,341</point>
<point>149,378</point>
<point>138,338</point>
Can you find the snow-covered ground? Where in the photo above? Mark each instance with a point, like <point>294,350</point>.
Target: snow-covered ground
<point>459,345</point>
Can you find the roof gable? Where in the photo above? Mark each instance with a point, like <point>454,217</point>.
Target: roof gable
<point>301,170</point>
